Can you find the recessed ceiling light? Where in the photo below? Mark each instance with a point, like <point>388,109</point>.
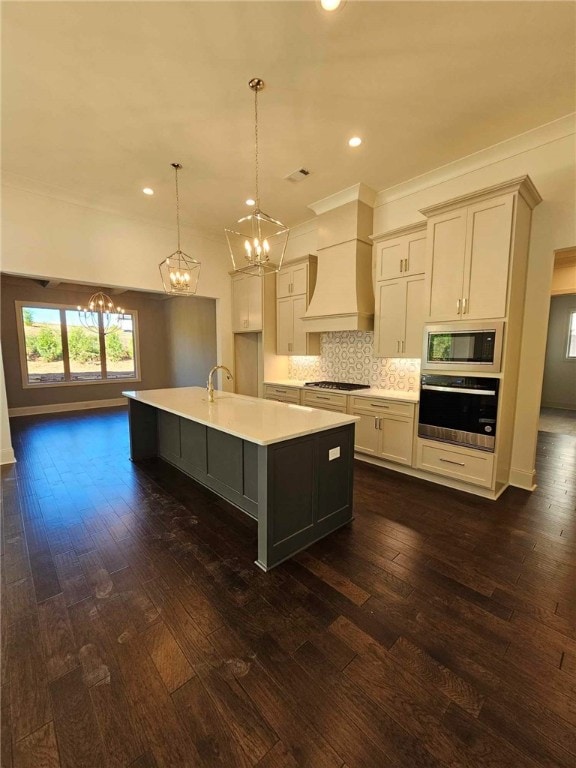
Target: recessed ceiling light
<point>250,201</point>
<point>148,191</point>
<point>330,5</point>
<point>355,141</point>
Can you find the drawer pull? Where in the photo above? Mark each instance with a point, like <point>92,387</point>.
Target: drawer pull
<point>322,397</point>
<point>375,422</point>
<point>458,463</point>
<point>374,405</point>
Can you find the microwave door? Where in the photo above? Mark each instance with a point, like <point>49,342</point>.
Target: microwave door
<point>462,347</point>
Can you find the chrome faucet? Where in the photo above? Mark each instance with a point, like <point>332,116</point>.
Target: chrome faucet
<point>210,385</point>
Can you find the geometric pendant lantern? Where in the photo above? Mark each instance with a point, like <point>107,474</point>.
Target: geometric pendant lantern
<point>179,271</point>
<point>257,242</point>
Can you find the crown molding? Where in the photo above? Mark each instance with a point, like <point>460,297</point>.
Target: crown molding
<point>523,185</point>
<point>357,192</point>
<point>409,229</point>
<point>559,129</point>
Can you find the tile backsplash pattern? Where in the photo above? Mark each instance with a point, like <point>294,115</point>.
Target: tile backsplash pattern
<point>349,356</point>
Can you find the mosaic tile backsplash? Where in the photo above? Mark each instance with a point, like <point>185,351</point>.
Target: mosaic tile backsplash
<point>349,356</point>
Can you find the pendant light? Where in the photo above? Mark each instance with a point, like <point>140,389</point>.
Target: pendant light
<point>100,313</point>
<point>179,271</point>
<point>257,242</point>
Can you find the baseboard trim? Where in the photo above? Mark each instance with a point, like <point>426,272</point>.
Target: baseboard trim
<point>520,478</point>
<point>83,405</point>
<point>7,456</point>
<point>560,406</point>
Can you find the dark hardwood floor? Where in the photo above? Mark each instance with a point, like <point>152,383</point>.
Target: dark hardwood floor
<point>436,630</point>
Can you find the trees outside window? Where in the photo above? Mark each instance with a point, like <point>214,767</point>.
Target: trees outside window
<point>58,349</point>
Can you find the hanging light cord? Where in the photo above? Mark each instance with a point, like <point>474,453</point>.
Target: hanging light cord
<point>256,144</point>
<point>176,167</point>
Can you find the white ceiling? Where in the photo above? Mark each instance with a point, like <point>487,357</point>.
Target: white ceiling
<point>99,98</point>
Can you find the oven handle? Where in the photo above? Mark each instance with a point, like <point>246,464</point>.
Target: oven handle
<point>463,391</point>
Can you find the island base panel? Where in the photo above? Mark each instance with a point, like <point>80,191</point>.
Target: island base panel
<point>306,486</point>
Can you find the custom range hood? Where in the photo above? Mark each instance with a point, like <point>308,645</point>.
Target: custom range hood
<point>343,299</point>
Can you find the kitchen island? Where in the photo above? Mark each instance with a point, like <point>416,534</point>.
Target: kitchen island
<point>289,467</point>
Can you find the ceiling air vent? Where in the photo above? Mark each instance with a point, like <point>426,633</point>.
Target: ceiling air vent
<point>298,175</point>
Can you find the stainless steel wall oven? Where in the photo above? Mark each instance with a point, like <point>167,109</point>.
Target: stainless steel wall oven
<point>459,409</point>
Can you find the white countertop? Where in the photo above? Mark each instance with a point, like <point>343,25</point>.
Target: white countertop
<point>388,394</point>
<point>251,418</point>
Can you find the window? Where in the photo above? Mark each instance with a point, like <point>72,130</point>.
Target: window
<point>56,349</point>
<point>571,346</point>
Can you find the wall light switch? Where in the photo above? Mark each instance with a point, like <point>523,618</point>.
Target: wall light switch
<point>333,453</point>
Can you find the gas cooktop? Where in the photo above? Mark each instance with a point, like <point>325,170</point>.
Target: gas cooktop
<point>347,387</point>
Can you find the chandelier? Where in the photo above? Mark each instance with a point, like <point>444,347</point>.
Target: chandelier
<point>257,242</point>
<point>179,271</point>
<point>100,313</point>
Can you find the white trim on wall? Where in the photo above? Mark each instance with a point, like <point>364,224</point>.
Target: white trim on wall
<point>7,456</point>
<point>84,405</point>
<point>516,145</point>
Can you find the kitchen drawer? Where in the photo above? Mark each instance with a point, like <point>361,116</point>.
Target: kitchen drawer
<point>283,394</point>
<point>470,466</point>
<point>330,401</point>
<point>371,404</point>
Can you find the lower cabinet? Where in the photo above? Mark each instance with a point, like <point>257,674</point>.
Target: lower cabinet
<point>282,394</point>
<point>224,463</point>
<point>385,429</point>
<point>328,401</point>
<point>466,464</point>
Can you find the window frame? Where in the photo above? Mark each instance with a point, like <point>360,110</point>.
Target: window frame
<point>66,357</point>
<point>570,314</point>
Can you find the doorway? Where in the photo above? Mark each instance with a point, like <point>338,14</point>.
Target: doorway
<point>558,403</point>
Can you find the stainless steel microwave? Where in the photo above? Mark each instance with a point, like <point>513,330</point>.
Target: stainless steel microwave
<point>463,346</point>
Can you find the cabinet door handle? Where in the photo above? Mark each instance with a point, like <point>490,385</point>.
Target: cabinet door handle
<point>401,264</point>
<point>458,306</point>
<point>375,422</point>
<point>380,424</point>
<point>402,346</point>
<point>458,463</point>
<point>464,306</point>
<point>405,265</point>
<point>289,346</point>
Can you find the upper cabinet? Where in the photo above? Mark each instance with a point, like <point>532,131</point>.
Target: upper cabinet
<point>247,303</point>
<point>294,287</point>
<point>470,247</point>
<point>398,267</point>
<point>292,280</point>
<point>400,253</point>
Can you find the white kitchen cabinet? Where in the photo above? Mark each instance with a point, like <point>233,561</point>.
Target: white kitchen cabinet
<point>385,429</point>
<point>294,287</point>
<point>292,280</point>
<point>456,461</point>
<point>328,401</point>
<point>399,317</point>
<point>400,252</point>
<point>247,303</point>
<point>284,394</point>
<point>468,255</point>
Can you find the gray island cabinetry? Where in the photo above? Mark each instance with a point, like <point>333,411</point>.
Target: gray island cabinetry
<point>287,466</point>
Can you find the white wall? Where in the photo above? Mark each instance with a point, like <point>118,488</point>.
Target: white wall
<point>44,236</point>
<point>547,155</point>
